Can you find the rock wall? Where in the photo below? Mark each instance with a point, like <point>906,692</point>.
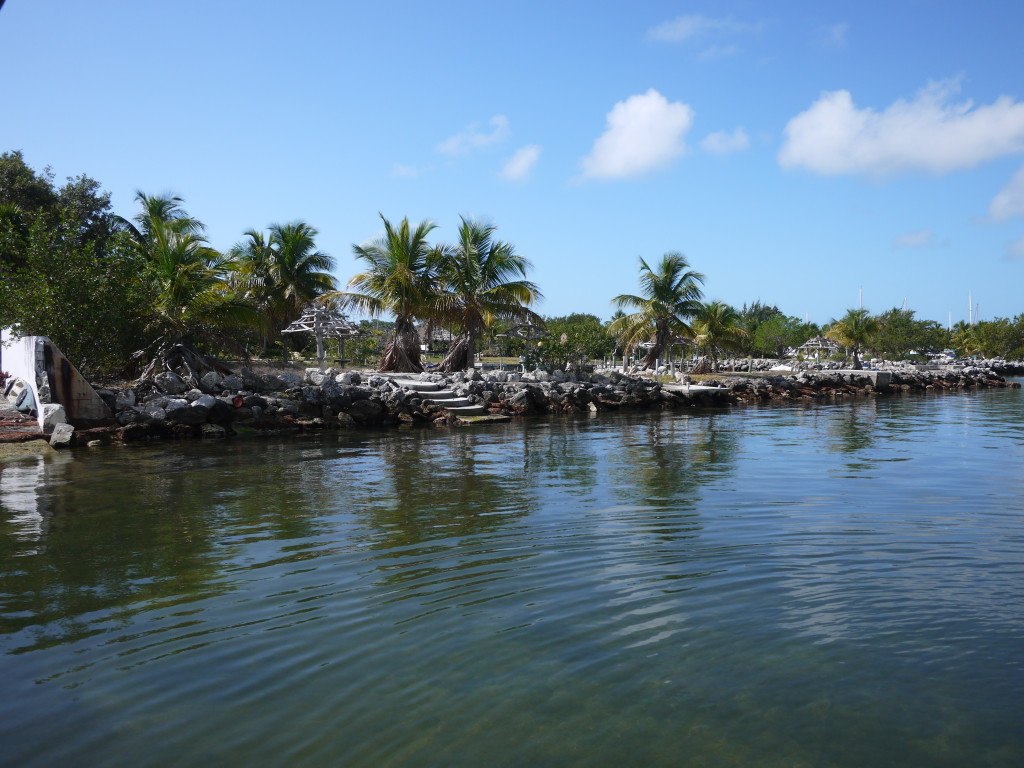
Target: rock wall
<point>280,403</point>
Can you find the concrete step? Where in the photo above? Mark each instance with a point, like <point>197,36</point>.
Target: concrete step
<point>467,410</point>
<point>418,386</point>
<point>443,394</point>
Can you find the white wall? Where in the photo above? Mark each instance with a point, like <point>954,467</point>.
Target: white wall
<point>18,357</point>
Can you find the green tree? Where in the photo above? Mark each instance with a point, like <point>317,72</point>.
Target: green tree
<point>191,300</point>
<point>282,274</point>
<point>718,328</point>
<point>670,298</point>
<point>482,280</point>
<point>753,317</point>
<point>1000,337</point>
<point>900,333</point>
<point>576,338</point>
<point>853,331</point>
<point>399,279</point>
<point>779,333</point>
<point>64,271</point>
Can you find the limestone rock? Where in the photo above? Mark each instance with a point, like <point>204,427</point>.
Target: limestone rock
<point>53,414</point>
<point>213,430</point>
<point>61,436</point>
<point>211,381</point>
<point>125,399</point>
<point>170,383</point>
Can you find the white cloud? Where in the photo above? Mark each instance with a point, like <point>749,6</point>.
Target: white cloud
<point>718,52</point>
<point>833,36</point>
<point>520,165</point>
<point>472,137</point>
<point>725,143</point>
<point>1015,250</point>
<point>929,133</point>
<point>1010,200</point>
<point>918,239</point>
<point>644,133</point>
<point>695,25</point>
<point>400,171</point>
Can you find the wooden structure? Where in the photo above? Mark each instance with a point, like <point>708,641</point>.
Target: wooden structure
<point>326,323</point>
<point>816,348</point>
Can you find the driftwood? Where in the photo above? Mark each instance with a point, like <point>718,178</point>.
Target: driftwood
<point>183,359</point>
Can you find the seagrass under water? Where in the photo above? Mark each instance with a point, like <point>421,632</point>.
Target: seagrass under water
<point>826,586</point>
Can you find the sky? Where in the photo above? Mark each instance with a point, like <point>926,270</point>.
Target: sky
<point>812,155</point>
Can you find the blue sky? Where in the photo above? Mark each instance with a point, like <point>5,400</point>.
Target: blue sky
<point>795,152</point>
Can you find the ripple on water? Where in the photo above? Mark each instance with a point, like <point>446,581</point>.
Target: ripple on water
<point>830,585</point>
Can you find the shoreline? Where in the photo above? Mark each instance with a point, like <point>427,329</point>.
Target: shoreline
<point>285,404</point>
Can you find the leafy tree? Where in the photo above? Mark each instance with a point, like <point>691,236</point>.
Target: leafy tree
<point>64,272</point>
<point>23,187</point>
<point>854,331</point>
<point>670,298</point>
<point>191,301</point>
<point>779,333</point>
<point>482,279</point>
<point>1001,337</point>
<point>717,328</point>
<point>753,317</point>
<point>282,274</point>
<point>899,333</point>
<point>399,279</point>
<point>576,338</point>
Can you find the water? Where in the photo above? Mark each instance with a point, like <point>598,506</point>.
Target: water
<point>833,585</point>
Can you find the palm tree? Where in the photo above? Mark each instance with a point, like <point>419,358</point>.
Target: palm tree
<point>718,327</point>
<point>482,280</point>
<point>401,268</point>
<point>671,297</point>
<point>853,331</point>
<point>283,273</point>
<point>187,284</point>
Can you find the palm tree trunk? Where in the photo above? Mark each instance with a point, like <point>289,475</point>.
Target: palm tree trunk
<point>459,357</point>
<point>402,353</point>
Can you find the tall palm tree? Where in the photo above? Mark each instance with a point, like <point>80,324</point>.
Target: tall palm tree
<point>401,267</point>
<point>718,327</point>
<point>670,298</point>
<point>187,283</point>
<point>853,331</point>
<point>482,280</point>
<point>283,273</point>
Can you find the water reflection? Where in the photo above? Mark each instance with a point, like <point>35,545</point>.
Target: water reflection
<point>716,588</point>
<point>20,485</point>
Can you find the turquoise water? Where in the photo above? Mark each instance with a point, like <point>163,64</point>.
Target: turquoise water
<point>837,585</point>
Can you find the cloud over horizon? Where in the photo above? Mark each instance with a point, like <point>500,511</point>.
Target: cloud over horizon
<point>696,25</point>
<point>1015,250</point>
<point>520,165</point>
<point>472,137</point>
<point>644,133</point>
<point>1009,203</point>
<point>725,142</point>
<point>918,239</point>
<point>832,36</point>
<point>929,133</point>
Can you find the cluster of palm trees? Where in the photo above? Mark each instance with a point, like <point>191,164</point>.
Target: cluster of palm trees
<point>465,287</point>
<point>197,294</point>
<point>670,312</point>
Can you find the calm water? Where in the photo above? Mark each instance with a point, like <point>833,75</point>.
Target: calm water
<point>823,586</point>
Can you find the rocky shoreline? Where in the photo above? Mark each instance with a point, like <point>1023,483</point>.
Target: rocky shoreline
<point>289,402</point>
<point>275,404</point>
